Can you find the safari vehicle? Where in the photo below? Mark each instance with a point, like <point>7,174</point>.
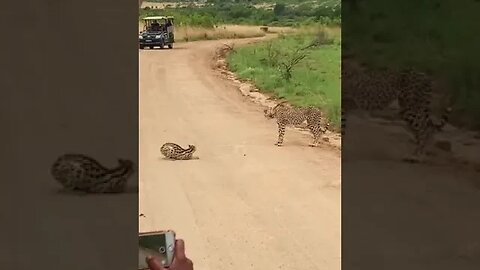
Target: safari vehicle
<point>157,32</point>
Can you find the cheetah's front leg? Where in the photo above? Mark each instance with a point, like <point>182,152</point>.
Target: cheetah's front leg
<point>314,143</point>
<point>316,136</point>
<point>418,156</point>
<point>281,134</point>
<point>317,131</point>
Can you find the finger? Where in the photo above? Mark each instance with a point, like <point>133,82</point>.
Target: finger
<point>190,263</point>
<point>180,250</point>
<point>153,264</point>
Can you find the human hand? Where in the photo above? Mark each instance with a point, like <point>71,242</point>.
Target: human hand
<point>180,260</point>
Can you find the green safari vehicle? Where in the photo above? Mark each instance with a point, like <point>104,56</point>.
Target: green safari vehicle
<point>157,32</point>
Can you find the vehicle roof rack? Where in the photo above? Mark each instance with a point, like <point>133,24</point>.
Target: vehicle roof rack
<point>158,17</point>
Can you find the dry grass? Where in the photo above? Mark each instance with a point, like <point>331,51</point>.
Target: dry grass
<point>267,6</point>
<point>163,5</point>
<point>331,31</point>
<point>279,29</point>
<point>192,33</point>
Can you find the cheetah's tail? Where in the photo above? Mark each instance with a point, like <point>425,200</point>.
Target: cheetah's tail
<point>279,104</point>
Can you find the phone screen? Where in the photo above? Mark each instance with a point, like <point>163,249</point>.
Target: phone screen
<point>160,245</point>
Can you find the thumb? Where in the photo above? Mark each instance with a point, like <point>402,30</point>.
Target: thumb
<point>153,264</point>
<point>180,250</point>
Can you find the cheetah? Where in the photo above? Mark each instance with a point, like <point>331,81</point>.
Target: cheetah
<point>370,90</point>
<point>77,172</point>
<point>316,122</point>
<point>174,151</point>
<point>366,90</point>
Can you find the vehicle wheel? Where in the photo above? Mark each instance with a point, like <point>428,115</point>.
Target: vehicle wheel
<point>170,46</point>
<point>151,47</point>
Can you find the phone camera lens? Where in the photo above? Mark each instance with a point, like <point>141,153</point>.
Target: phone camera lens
<point>162,249</point>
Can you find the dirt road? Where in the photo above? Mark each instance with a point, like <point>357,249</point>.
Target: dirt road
<point>408,216</point>
<point>245,203</point>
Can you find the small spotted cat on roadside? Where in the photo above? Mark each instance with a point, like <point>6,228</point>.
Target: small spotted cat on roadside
<point>316,122</point>
<point>82,173</point>
<point>174,151</point>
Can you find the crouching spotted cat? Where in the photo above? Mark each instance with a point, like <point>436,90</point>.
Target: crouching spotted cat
<point>82,173</point>
<point>174,151</point>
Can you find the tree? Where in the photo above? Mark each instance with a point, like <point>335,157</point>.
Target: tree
<point>292,59</point>
<point>279,9</point>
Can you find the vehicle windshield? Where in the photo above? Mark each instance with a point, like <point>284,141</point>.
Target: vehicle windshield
<point>158,25</point>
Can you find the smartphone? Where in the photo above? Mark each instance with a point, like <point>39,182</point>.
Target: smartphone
<point>159,244</point>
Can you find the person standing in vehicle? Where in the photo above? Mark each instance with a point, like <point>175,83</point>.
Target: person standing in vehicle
<point>155,26</point>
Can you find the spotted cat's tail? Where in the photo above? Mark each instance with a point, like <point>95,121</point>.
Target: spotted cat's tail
<point>127,164</point>
<point>192,148</point>
<point>122,172</point>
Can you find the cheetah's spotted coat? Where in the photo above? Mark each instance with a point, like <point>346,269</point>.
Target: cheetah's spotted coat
<point>83,173</point>
<point>316,122</point>
<point>174,151</point>
<point>371,90</point>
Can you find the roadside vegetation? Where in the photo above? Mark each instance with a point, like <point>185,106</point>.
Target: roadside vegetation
<point>222,19</point>
<point>270,13</point>
<point>436,38</point>
<point>192,33</point>
<point>302,68</point>
<point>197,20</point>
<point>302,65</point>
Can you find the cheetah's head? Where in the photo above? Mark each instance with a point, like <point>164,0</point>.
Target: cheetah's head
<point>269,113</point>
<point>325,126</point>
